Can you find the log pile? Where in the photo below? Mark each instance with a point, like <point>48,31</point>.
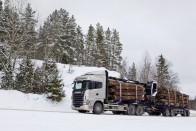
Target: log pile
<point>171,97</point>
<point>125,91</point>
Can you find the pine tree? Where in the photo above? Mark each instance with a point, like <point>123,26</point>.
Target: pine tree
<point>162,75</point>
<point>55,90</point>
<point>24,79</point>
<point>90,47</point>
<point>3,55</point>
<point>123,69</point>
<point>101,56</point>
<point>7,81</point>
<point>1,8</point>
<point>14,33</point>
<point>80,46</point>
<point>52,83</point>
<point>116,50</point>
<point>108,46</point>
<point>68,41</point>
<point>38,88</point>
<point>132,73</point>
<point>28,26</point>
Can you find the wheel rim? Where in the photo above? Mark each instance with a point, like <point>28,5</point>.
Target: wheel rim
<point>98,108</point>
<point>172,113</point>
<point>188,113</point>
<point>184,113</point>
<point>139,110</point>
<point>167,113</point>
<point>131,110</point>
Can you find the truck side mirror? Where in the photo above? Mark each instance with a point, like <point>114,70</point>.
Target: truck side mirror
<point>154,87</point>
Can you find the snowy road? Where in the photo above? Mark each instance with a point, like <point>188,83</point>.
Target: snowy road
<point>15,120</point>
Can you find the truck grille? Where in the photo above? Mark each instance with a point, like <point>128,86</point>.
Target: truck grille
<point>78,99</point>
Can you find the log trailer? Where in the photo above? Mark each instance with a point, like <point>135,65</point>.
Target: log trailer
<point>97,92</point>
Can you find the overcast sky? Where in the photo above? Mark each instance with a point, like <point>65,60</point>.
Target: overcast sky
<point>165,27</point>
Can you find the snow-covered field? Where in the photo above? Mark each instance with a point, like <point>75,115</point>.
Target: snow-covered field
<point>53,121</point>
<point>30,112</point>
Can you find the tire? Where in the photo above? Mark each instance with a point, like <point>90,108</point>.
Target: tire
<point>151,114</point>
<point>98,108</point>
<point>187,113</point>
<point>82,111</point>
<point>172,113</point>
<point>157,113</point>
<point>154,114</point>
<point>166,112</point>
<point>184,113</point>
<point>139,110</point>
<point>131,110</point>
<point>117,112</point>
<point>125,113</point>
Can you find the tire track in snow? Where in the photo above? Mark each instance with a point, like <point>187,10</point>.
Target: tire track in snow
<point>30,110</point>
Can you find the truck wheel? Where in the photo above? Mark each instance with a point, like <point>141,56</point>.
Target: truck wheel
<point>131,110</point>
<point>172,113</point>
<point>125,113</point>
<point>187,113</point>
<point>139,110</point>
<point>184,113</point>
<point>166,112</point>
<point>151,114</point>
<point>117,112</point>
<point>82,111</point>
<point>98,108</point>
<point>158,113</point>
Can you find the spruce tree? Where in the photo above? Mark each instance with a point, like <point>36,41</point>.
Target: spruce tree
<point>80,46</point>
<point>55,89</point>
<point>90,47</point>
<point>132,73</point>
<point>101,56</point>
<point>52,83</point>
<point>1,8</point>
<point>7,81</point>
<point>116,50</point>
<point>28,26</point>
<point>3,55</point>
<point>38,87</point>
<point>108,47</point>
<point>162,75</point>
<point>24,79</point>
<point>68,41</point>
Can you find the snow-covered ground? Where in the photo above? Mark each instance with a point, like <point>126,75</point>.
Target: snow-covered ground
<point>30,112</point>
<point>53,121</point>
<point>17,100</point>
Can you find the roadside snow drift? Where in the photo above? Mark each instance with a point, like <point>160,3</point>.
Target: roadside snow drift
<point>12,99</point>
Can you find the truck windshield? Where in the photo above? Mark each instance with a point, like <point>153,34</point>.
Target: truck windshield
<point>78,85</point>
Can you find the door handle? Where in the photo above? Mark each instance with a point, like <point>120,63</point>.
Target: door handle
<point>97,94</point>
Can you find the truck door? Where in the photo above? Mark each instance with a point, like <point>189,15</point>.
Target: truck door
<point>96,91</point>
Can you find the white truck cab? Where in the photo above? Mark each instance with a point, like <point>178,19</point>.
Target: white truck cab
<point>88,90</point>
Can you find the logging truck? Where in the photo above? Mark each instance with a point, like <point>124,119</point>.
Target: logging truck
<point>97,92</point>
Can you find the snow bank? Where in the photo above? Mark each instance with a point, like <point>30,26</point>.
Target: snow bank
<point>17,100</point>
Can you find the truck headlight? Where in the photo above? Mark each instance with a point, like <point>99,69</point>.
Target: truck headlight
<point>86,102</point>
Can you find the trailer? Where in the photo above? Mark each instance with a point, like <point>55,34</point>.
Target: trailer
<point>167,102</point>
<point>97,92</point>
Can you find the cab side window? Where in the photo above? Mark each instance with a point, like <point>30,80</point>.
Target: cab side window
<point>95,85</point>
<point>98,85</point>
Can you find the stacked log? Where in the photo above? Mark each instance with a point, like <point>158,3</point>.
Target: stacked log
<point>171,97</point>
<point>125,91</point>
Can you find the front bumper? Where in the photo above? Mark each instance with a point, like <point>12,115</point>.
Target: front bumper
<point>83,107</point>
